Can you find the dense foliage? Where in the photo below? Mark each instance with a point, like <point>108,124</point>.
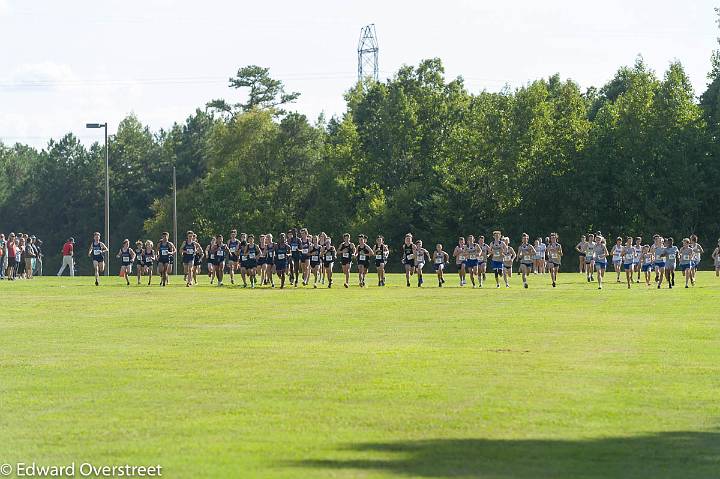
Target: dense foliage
<point>415,153</point>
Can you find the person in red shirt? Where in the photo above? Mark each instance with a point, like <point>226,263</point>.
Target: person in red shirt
<point>67,260</point>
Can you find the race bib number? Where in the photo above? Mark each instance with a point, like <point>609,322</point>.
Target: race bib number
<point>439,260</point>
<point>252,255</point>
<point>191,251</point>
<point>164,252</point>
<point>97,252</point>
<point>686,257</point>
<point>362,257</point>
<point>305,250</point>
<point>126,259</point>
<point>220,253</point>
<point>378,256</point>
<point>280,256</point>
<point>461,258</point>
<point>554,255</point>
<point>410,256</point>
<point>243,257</point>
<point>293,247</point>
<point>232,249</point>
<point>346,255</point>
<point>328,257</point>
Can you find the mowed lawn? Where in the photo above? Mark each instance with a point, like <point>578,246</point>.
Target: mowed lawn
<point>540,383</point>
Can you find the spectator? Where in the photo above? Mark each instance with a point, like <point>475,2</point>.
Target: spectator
<point>29,256</point>
<point>3,256</point>
<point>19,263</point>
<point>11,252</point>
<point>67,260</point>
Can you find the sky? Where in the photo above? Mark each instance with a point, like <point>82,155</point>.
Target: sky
<point>67,63</point>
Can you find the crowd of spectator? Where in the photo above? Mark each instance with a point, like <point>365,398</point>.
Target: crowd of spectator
<point>21,256</point>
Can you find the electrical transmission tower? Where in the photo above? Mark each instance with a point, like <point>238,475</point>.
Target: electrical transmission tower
<point>368,53</point>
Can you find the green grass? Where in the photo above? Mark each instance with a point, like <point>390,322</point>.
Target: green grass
<point>396,382</point>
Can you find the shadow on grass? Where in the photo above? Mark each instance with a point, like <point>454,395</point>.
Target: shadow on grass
<point>663,455</point>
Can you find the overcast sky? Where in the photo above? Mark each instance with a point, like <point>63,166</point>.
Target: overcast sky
<point>67,63</point>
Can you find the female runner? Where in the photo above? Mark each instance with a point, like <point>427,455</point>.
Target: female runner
<point>329,254</point>
<point>346,252</point>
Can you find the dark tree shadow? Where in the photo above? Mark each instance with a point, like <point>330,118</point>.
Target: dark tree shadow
<point>681,455</point>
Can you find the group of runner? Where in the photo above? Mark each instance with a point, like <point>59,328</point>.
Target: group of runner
<point>630,255</point>
<point>302,258</point>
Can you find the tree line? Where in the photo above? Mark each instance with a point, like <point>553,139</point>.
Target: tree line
<point>416,153</point>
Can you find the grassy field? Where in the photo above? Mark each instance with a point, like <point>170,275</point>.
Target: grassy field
<point>396,382</point>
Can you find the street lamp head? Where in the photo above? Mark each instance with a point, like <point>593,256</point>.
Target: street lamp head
<point>95,125</point>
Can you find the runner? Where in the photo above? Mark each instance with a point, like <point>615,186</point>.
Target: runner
<point>188,248</point>
<point>472,252</point>
<point>149,260</point>
<point>637,260</point>
<point>498,248</point>
<point>697,256</point>
<point>459,255</point>
<point>555,253</point>
<point>304,257</point>
<point>646,259</point>
<point>96,252</point>
<point>628,254</point>
<point>315,259</point>
<point>671,252</point>
<point>590,258</point>
<point>322,237</point>
<point>329,254</point>
<point>526,255</point>
<point>581,247</point>
<point>252,251</point>
<point>127,257</point>
<point>346,251</point>
<point>381,252</point>
<point>165,250</point>
<point>243,258</point>
<point>686,260</point>
<point>234,248</point>
<point>269,260</point>
<point>139,261</point>
<point>508,257</point>
<point>221,252</point>
<point>716,258</point>
<point>617,256</point>
<point>197,261</point>
<point>601,254</point>
<point>440,258</point>
<point>421,256</point>
<point>408,257</point>
<point>658,252</point>
<point>540,266</point>
<point>210,258</point>
<point>282,253</point>
<point>482,259</point>
<point>363,254</point>
<point>294,243</point>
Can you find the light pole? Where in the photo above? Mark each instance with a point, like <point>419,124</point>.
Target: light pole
<point>107,191</point>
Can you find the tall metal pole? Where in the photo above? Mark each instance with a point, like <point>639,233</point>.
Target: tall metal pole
<point>107,199</point>
<point>175,215</point>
